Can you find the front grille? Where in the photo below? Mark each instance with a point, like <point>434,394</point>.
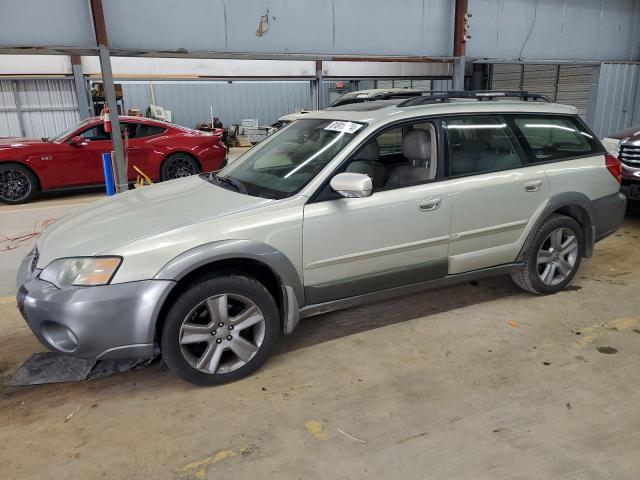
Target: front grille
<point>630,154</point>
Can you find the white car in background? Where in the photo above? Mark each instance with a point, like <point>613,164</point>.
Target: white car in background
<point>359,96</point>
<point>346,206</point>
<point>285,120</point>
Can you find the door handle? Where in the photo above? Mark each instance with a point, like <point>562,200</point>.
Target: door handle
<point>533,186</point>
<point>429,204</point>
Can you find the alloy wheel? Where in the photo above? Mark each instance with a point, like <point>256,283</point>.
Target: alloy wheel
<point>222,334</point>
<point>557,256</point>
<point>14,185</point>
<point>180,167</point>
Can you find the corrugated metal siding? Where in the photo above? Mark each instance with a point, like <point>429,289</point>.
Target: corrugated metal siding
<point>419,84</point>
<point>540,79</point>
<point>190,101</point>
<point>574,86</point>
<point>617,105</point>
<point>506,76</point>
<point>568,84</point>
<point>440,85</point>
<point>9,122</point>
<point>45,107</point>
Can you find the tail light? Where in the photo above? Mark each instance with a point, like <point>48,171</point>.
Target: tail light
<point>614,166</point>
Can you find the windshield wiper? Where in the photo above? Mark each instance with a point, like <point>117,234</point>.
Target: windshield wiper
<point>238,185</point>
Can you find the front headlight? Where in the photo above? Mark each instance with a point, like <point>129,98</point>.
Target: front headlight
<point>82,271</point>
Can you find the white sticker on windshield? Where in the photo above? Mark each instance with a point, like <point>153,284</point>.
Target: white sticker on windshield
<point>346,127</point>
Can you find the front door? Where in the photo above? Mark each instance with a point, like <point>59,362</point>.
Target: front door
<point>397,236</point>
<point>83,162</point>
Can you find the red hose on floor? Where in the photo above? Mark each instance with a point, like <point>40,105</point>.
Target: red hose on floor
<point>11,243</point>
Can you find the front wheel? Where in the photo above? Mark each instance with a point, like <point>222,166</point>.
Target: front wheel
<point>220,329</point>
<point>553,258</point>
<point>179,165</point>
<point>17,184</point>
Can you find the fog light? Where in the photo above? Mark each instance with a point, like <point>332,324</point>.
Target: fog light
<point>59,336</point>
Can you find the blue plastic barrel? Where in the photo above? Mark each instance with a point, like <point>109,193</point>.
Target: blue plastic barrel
<point>108,174</point>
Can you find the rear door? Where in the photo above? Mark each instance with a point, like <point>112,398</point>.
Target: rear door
<point>494,191</point>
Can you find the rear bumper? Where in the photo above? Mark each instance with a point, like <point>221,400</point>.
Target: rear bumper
<point>608,214</point>
<point>110,321</point>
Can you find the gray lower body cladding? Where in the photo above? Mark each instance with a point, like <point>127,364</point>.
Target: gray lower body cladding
<point>377,281</point>
<point>608,213</point>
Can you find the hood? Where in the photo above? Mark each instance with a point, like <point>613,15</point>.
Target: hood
<point>139,213</point>
<point>633,133</point>
<point>14,142</point>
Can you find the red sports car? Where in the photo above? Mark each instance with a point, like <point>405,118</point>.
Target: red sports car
<point>162,151</point>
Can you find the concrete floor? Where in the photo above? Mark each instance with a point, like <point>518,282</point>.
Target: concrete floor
<point>477,381</point>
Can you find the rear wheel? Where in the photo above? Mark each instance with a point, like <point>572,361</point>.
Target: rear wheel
<point>554,256</point>
<point>179,165</point>
<point>220,329</point>
<point>17,184</point>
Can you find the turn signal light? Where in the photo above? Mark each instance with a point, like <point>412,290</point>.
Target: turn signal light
<point>614,166</point>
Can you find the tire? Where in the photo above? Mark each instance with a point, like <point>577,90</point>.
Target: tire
<point>18,184</point>
<point>205,348</point>
<point>553,258</point>
<point>179,165</point>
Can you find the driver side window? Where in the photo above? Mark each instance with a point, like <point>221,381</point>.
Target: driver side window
<point>95,133</point>
<point>398,157</point>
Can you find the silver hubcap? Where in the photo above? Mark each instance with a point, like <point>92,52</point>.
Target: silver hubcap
<point>557,256</point>
<point>222,334</point>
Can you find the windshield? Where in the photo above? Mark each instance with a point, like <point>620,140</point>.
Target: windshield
<point>289,159</point>
<point>68,131</point>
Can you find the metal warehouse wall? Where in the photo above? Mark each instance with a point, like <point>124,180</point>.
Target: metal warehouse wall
<point>618,98</point>
<point>508,29</point>
<point>190,101</point>
<point>37,108</point>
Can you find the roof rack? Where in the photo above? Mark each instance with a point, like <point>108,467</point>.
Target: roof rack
<point>480,95</point>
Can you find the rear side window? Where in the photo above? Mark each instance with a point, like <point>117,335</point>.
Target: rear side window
<point>480,144</point>
<point>145,130</point>
<point>552,138</point>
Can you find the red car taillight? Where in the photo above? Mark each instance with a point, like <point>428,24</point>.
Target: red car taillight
<point>614,166</point>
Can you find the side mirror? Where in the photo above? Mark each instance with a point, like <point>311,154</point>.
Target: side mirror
<point>79,140</point>
<point>352,185</point>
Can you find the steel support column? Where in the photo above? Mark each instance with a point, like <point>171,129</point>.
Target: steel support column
<point>459,43</point>
<point>122,183</point>
<point>319,98</point>
<point>458,73</point>
<point>82,92</point>
<point>100,29</point>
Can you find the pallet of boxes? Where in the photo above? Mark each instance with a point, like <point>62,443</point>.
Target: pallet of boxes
<point>248,133</point>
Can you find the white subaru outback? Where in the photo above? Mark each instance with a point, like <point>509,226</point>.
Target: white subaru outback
<point>348,205</point>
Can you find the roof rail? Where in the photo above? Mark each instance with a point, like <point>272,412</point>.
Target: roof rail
<point>479,95</point>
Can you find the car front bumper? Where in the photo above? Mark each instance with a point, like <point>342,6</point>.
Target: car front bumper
<point>108,321</point>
